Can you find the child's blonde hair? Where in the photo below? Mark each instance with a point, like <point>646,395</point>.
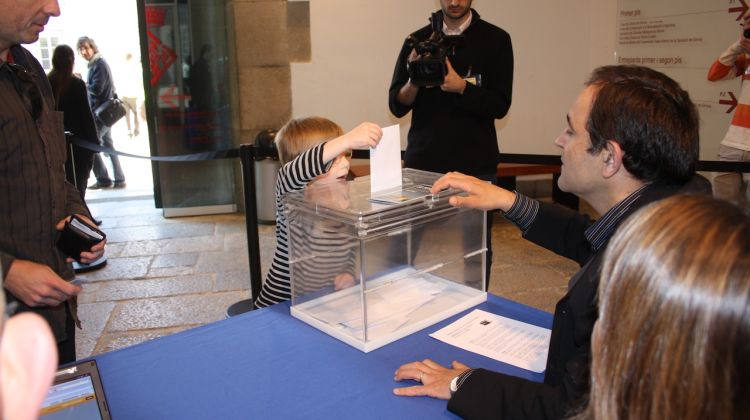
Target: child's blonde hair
<point>301,134</point>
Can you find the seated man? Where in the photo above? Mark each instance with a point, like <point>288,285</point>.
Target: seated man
<point>631,139</point>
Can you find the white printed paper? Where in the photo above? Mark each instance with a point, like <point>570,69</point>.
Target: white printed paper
<point>385,161</point>
<point>500,338</point>
<point>388,306</point>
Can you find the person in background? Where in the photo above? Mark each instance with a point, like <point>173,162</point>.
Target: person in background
<point>101,88</point>
<point>453,124</point>
<point>71,99</point>
<point>735,146</point>
<point>673,336</point>
<point>36,200</point>
<point>631,139</point>
<point>131,90</point>
<point>311,150</point>
<point>201,82</point>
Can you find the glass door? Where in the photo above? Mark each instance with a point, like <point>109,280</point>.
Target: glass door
<point>187,100</point>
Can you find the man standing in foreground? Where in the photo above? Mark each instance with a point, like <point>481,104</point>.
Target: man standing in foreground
<point>35,198</point>
<point>453,123</point>
<point>632,138</point>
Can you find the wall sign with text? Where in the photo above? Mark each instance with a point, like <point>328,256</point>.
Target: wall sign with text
<point>683,38</point>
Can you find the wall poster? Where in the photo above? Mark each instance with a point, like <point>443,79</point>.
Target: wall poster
<point>683,38</point>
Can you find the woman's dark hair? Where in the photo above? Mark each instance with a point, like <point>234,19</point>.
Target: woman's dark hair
<point>61,74</point>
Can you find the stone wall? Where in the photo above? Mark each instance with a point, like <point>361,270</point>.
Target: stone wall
<point>260,75</point>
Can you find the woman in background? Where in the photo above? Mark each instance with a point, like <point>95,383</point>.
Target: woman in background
<point>72,99</point>
<point>673,336</point>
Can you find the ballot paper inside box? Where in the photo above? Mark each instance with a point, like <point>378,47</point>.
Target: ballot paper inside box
<point>369,268</point>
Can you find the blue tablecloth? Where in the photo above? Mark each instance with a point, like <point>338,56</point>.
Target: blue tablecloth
<point>267,364</point>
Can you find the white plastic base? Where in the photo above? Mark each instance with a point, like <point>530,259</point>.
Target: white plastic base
<point>332,313</point>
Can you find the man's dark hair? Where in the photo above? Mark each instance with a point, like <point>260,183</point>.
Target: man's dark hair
<point>652,119</point>
<point>86,40</point>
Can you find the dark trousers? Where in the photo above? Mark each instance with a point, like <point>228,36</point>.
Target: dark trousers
<point>78,167</point>
<point>66,349</point>
<point>100,169</point>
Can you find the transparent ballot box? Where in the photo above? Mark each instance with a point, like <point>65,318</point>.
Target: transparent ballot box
<point>369,269</point>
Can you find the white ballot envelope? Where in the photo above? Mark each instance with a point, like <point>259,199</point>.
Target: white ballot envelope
<point>385,161</point>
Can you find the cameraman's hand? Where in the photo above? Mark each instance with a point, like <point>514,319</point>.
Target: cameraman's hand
<point>453,82</point>
<point>412,56</point>
<point>408,92</point>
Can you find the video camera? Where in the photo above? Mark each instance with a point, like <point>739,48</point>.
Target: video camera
<point>429,69</point>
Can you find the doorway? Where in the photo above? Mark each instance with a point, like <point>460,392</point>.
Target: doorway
<point>171,56</point>
<point>186,81</point>
<point>120,47</point>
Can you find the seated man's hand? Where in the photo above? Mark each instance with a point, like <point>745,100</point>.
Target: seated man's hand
<point>435,379</point>
<point>482,195</point>
<point>37,285</point>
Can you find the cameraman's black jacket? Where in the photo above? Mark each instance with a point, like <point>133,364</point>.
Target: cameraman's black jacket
<point>452,132</point>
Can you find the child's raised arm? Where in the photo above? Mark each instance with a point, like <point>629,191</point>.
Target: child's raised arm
<point>366,134</point>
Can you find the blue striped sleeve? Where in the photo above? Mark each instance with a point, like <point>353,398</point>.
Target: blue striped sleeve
<point>523,211</point>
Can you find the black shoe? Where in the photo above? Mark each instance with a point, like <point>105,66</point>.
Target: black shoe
<point>97,222</point>
<point>120,184</point>
<point>99,185</point>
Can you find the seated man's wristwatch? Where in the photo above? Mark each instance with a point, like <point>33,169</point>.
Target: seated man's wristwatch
<point>454,384</point>
<point>459,380</point>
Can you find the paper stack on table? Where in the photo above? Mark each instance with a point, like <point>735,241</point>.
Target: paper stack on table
<point>500,338</point>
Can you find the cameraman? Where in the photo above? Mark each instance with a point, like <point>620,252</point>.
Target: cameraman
<point>453,124</point>
<point>735,146</point>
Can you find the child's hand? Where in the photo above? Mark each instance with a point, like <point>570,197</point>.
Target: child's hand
<point>343,281</point>
<point>364,135</point>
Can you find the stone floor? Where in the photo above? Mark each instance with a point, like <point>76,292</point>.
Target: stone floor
<point>169,275</point>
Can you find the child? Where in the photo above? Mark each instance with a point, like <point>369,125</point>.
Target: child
<point>307,154</point>
<point>324,250</point>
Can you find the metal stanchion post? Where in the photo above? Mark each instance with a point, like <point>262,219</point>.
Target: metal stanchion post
<point>247,159</point>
